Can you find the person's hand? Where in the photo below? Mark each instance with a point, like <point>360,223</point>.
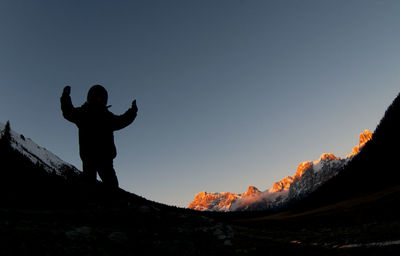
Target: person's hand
<point>67,90</point>
<point>134,107</point>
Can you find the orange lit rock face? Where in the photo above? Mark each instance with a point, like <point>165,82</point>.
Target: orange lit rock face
<point>251,191</point>
<point>222,201</point>
<point>302,168</point>
<point>328,156</point>
<point>206,201</point>
<point>286,182</point>
<point>282,185</point>
<point>364,138</point>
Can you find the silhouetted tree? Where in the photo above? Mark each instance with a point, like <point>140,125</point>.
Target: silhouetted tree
<point>6,134</point>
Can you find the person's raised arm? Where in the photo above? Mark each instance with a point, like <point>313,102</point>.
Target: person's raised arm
<point>68,110</point>
<point>125,119</point>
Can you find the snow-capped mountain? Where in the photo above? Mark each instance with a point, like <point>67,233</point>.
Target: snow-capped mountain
<point>39,155</point>
<point>308,177</point>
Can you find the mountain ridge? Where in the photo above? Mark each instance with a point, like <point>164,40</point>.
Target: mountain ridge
<point>308,176</point>
<point>373,167</point>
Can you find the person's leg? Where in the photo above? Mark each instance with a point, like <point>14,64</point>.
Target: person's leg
<point>88,184</point>
<point>89,172</point>
<point>107,174</point>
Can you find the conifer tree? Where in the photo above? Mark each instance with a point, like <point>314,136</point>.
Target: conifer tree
<point>6,134</point>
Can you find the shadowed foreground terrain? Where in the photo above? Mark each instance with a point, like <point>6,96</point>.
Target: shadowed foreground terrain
<point>351,226</point>
<point>354,213</point>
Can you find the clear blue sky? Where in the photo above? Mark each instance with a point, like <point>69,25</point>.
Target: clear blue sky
<point>230,93</point>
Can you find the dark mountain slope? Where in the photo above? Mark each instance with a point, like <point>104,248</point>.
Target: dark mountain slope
<point>24,184</point>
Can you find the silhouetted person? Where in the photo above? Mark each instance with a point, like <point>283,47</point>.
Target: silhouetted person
<point>96,132</point>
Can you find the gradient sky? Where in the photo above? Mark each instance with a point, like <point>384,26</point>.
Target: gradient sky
<point>230,93</point>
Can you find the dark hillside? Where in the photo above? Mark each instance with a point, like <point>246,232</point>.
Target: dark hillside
<point>24,184</point>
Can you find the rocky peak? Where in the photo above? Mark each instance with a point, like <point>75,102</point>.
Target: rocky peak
<point>251,191</point>
<point>328,157</point>
<point>213,201</point>
<point>285,183</point>
<point>302,168</point>
<point>364,137</point>
<point>282,185</point>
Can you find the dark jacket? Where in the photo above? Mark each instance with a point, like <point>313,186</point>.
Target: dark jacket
<point>96,128</point>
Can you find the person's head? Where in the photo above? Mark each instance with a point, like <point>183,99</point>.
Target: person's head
<point>98,95</point>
